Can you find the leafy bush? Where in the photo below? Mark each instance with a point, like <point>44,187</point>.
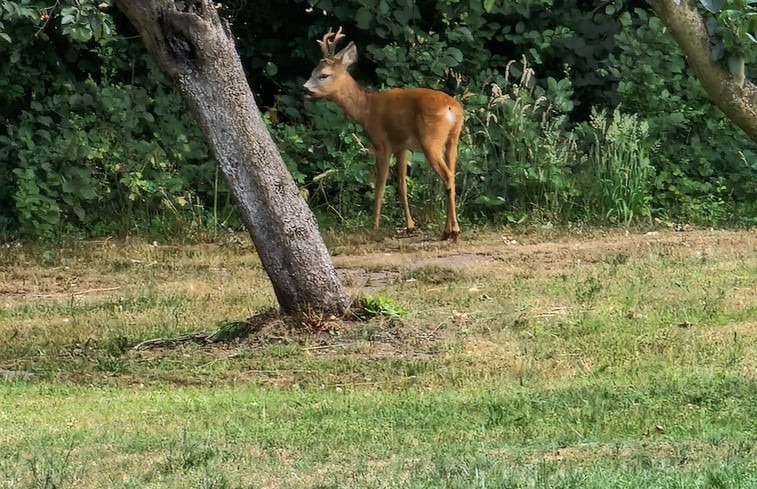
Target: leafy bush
<point>706,166</point>
<point>94,143</point>
<point>519,156</point>
<point>376,305</point>
<point>102,158</point>
<point>84,152</point>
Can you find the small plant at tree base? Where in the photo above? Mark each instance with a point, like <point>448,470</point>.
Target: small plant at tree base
<point>376,305</point>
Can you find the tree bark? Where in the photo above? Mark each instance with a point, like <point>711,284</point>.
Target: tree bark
<point>196,51</point>
<point>736,98</point>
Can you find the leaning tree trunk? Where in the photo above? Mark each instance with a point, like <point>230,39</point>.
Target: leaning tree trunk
<point>196,51</point>
<point>736,98</point>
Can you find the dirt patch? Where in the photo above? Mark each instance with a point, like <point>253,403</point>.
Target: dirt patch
<point>97,271</point>
<point>527,255</point>
<point>368,280</point>
<point>381,337</point>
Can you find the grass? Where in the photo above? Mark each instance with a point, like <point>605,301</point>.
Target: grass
<point>597,360</point>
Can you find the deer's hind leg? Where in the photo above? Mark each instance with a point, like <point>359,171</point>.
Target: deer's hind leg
<point>435,157</point>
<point>452,228</point>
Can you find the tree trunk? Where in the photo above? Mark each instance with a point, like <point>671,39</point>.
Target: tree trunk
<point>736,98</point>
<point>196,51</point>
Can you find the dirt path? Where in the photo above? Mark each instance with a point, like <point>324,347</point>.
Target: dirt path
<point>533,254</point>
<point>93,269</point>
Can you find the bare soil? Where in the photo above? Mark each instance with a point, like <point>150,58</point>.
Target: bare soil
<point>87,269</point>
<point>531,254</point>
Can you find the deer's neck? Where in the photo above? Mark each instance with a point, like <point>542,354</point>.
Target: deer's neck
<point>353,99</point>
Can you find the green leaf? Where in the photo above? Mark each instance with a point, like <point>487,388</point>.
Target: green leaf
<point>68,186</point>
<point>456,54</point>
<point>363,18</point>
<point>713,6</point>
<point>484,199</point>
<point>403,16</point>
<point>735,65</point>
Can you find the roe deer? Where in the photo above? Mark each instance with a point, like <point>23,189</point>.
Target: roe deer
<point>395,121</point>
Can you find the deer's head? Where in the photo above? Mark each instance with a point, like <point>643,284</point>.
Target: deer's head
<point>327,78</point>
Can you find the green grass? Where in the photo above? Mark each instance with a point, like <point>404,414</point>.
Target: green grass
<point>575,361</point>
<point>676,430</point>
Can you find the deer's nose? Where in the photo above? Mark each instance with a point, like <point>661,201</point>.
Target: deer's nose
<point>308,92</point>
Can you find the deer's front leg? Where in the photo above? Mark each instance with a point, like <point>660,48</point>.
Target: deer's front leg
<point>382,172</point>
<point>402,187</point>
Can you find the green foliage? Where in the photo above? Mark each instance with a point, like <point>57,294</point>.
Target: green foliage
<point>79,21</point>
<point>93,142</point>
<point>618,169</point>
<point>732,27</point>
<point>84,150</point>
<point>82,21</point>
<point>333,167</point>
<point>519,156</point>
<point>93,157</point>
<point>705,166</point>
<point>17,12</point>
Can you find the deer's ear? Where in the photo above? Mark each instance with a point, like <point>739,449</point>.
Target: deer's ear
<point>347,55</point>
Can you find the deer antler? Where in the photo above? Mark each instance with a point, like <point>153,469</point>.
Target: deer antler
<point>328,43</point>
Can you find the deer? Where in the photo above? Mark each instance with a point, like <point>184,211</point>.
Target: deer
<point>395,121</point>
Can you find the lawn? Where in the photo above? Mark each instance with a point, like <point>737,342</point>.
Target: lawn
<point>585,358</point>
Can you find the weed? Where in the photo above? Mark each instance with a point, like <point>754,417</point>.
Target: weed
<point>712,301</point>
<point>281,350</point>
<point>377,305</point>
<point>619,167</point>
<point>187,454</point>
<point>588,290</point>
<point>112,365</point>
<point>369,332</point>
<point>231,330</point>
<point>118,345</point>
<point>51,470</point>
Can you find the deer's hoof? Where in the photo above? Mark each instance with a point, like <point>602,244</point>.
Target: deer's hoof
<point>451,236</point>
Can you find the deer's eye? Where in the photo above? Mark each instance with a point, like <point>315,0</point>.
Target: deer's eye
<point>323,76</point>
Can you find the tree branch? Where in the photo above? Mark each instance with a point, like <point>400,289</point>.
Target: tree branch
<point>737,100</point>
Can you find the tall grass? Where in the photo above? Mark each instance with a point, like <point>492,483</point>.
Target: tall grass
<point>522,159</point>
<point>618,174</point>
<point>518,156</point>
